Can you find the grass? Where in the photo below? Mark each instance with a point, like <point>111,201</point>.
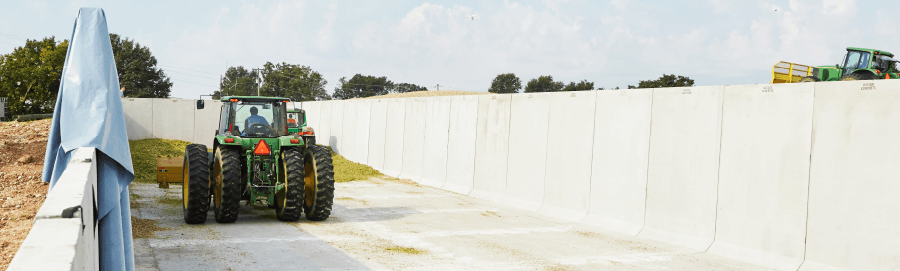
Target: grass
<point>144,153</point>
<point>407,250</point>
<point>168,200</point>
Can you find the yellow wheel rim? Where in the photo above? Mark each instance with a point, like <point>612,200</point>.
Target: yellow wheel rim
<point>185,180</point>
<point>309,180</point>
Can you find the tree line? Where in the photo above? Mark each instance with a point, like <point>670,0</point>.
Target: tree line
<point>30,78</point>
<point>510,83</point>
<point>30,75</point>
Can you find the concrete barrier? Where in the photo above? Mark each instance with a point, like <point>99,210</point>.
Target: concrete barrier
<point>683,166</point>
<point>337,121</point>
<point>437,123</point>
<point>491,147</point>
<point>377,128</point>
<point>461,144</point>
<point>528,126</point>
<point>414,139</point>
<point>567,184</point>
<point>764,174</point>
<point>361,140</point>
<point>711,168</point>
<point>347,140</point>
<point>206,122</point>
<point>393,136</point>
<point>65,243</point>
<point>173,119</point>
<point>619,168</point>
<point>138,118</point>
<point>323,129</point>
<point>853,187</point>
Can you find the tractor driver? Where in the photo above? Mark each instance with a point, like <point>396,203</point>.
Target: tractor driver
<point>254,118</point>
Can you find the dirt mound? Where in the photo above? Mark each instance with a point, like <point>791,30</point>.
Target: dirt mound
<point>22,146</point>
<point>427,93</point>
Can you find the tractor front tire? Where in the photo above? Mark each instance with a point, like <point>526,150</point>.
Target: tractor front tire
<point>318,178</point>
<point>227,182</point>
<point>288,203</point>
<point>809,79</point>
<point>858,76</point>
<point>195,186</point>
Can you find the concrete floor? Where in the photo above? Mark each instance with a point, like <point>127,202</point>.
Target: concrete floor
<point>387,225</point>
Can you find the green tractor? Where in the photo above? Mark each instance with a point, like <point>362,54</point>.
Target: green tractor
<point>255,158</point>
<point>859,64</point>
<point>296,124</point>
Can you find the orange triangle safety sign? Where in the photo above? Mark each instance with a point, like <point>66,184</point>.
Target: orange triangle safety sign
<point>262,148</point>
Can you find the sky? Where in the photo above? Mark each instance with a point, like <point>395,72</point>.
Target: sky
<point>611,43</point>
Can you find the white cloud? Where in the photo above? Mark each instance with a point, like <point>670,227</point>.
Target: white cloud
<point>620,4</point>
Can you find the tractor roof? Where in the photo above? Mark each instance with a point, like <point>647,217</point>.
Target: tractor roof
<point>255,98</point>
<point>877,52</point>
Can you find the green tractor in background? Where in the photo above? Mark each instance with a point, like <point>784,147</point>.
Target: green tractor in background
<point>296,124</point>
<point>859,64</point>
<point>256,158</point>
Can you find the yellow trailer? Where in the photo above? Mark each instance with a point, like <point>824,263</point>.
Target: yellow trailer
<point>786,72</point>
<point>168,170</point>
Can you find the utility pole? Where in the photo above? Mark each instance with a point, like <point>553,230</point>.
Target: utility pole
<point>258,79</point>
<point>438,87</point>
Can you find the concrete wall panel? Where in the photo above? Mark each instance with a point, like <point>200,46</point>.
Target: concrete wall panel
<point>138,117</point>
<point>764,174</point>
<point>437,124</point>
<point>173,119</point>
<point>529,120</point>
<point>323,127</point>
<point>491,147</point>
<point>414,139</point>
<point>461,144</point>
<point>570,134</point>
<point>337,126</point>
<point>347,140</point>
<point>377,127</point>
<point>619,169</point>
<point>206,122</point>
<point>393,136</point>
<point>361,140</point>
<point>683,166</point>
<point>853,202</point>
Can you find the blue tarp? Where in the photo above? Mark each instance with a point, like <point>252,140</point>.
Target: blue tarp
<point>89,113</point>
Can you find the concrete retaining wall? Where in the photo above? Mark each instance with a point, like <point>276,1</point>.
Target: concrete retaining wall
<point>784,176</point>
<point>59,243</point>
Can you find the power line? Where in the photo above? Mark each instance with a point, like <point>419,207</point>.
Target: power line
<point>187,69</point>
<point>191,74</point>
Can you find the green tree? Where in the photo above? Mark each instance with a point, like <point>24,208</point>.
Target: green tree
<point>30,76</point>
<point>665,81</point>
<point>506,83</point>
<point>544,83</point>
<point>360,86</point>
<point>237,81</point>
<point>138,75</point>
<point>583,85</point>
<point>300,83</point>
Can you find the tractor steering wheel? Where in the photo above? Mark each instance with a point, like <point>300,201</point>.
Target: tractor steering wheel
<point>257,129</point>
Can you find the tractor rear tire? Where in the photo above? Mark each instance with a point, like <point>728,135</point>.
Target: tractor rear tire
<point>227,181</point>
<point>809,79</point>
<point>288,203</point>
<point>195,186</point>
<point>858,76</point>
<point>318,183</point>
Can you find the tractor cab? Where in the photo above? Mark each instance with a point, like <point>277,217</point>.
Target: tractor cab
<point>867,64</point>
<point>257,117</point>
